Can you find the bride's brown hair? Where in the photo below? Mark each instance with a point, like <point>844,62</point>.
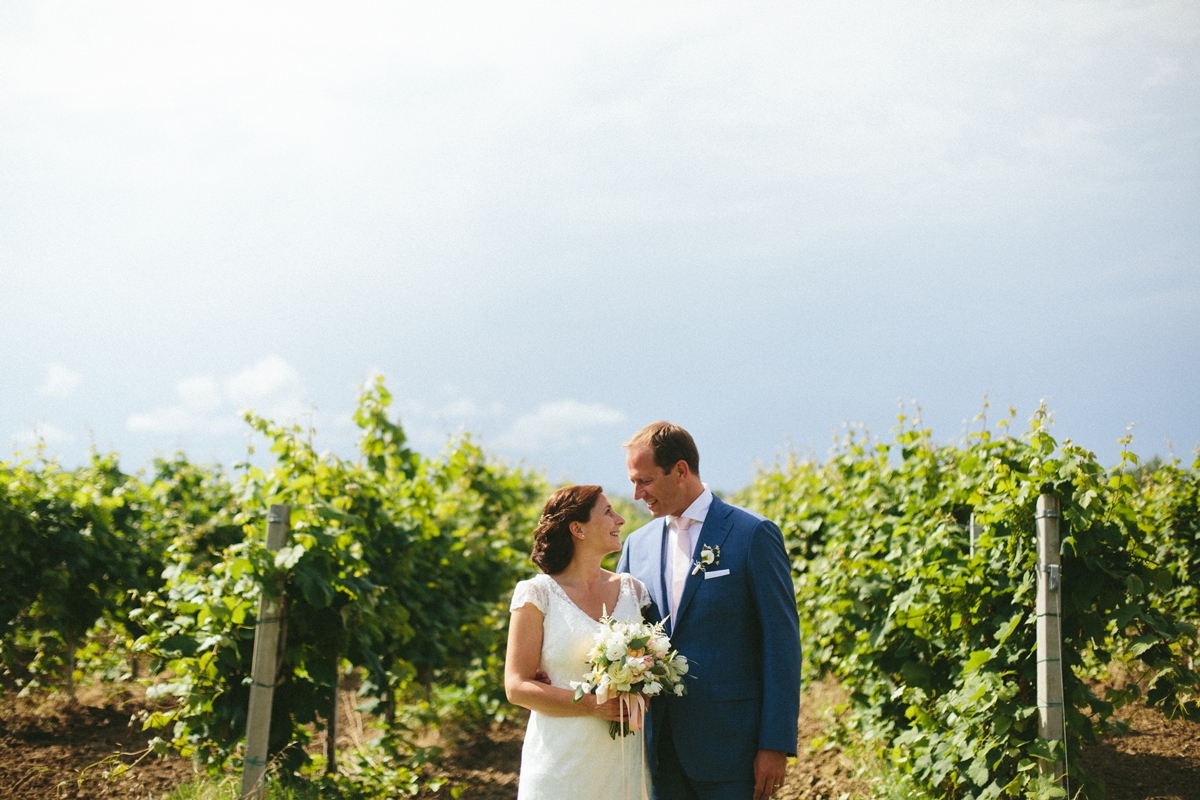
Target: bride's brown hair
<point>553,544</point>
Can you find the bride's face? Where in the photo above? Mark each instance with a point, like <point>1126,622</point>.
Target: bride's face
<point>603,528</point>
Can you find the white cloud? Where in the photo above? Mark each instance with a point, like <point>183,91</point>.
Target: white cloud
<point>463,408</point>
<point>60,381</point>
<point>271,387</point>
<point>201,393</point>
<point>52,435</point>
<point>558,426</point>
<point>1165,71</point>
<point>464,411</point>
<point>168,419</point>
<point>270,381</point>
<point>428,423</point>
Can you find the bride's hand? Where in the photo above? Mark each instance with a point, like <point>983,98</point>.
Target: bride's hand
<point>610,710</point>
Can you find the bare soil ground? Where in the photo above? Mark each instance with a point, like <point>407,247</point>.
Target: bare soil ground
<point>488,762</point>
<point>50,748</point>
<point>1158,759</point>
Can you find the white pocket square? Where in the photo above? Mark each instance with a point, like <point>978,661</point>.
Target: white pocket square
<point>716,573</point>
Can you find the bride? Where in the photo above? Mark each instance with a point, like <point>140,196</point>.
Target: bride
<point>555,616</point>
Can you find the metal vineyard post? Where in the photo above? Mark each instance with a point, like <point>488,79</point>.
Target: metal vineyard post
<point>1049,629</point>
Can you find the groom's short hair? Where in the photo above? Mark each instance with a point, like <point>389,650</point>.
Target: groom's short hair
<point>669,443</point>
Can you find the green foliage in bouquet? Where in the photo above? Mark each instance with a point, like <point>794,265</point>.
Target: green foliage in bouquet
<point>632,661</point>
<point>936,645</point>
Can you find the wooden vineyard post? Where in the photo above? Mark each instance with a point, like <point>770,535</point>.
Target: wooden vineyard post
<point>975,530</point>
<point>331,727</point>
<point>1049,630</point>
<point>266,658</point>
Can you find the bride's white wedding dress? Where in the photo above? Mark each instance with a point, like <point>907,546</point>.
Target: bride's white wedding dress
<point>573,757</point>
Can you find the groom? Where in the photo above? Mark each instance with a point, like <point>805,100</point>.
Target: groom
<point>722,578</point>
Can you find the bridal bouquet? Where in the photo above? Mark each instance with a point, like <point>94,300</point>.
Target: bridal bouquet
<point>633,661</point>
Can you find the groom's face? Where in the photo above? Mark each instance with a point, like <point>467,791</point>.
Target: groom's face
<point>663,492</point>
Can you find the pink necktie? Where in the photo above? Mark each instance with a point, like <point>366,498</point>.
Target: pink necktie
<point>680,565</point>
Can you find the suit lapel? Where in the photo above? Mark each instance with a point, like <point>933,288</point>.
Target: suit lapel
<point>716,528</point>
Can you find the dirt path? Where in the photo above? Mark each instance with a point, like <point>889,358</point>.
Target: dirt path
<point>489,761</point>
<point>46,747</point>
<point>55,749</point>
<point>1158,760</point>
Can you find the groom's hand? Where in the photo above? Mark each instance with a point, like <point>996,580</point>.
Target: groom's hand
<point>770,766</point>
<point>610,710</point>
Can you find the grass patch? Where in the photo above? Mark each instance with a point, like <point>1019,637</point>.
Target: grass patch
<point>228,787</point>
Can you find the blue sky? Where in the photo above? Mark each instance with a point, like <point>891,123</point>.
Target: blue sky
<point>549,225</point>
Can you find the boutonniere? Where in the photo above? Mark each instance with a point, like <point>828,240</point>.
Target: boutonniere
<point>709,557</point>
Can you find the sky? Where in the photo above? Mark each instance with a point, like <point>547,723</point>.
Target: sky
<point>549,224</point>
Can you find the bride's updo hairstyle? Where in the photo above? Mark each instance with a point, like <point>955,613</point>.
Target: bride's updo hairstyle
<point>553,544</point>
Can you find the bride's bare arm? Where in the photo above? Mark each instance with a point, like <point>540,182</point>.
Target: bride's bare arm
<point>521,665</point>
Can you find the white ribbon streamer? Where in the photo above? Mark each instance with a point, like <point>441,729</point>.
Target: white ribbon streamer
<point>633,708</point>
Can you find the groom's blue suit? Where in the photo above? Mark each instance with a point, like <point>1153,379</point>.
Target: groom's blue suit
<point>740,633</point>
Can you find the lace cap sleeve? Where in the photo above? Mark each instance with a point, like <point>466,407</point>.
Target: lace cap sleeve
<point>530,591</point>
<point>640,591</point>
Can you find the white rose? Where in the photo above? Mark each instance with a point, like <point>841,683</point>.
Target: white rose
<point>602,690</point>
<point>622,680</point>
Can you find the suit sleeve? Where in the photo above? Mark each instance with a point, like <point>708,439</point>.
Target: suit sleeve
<point>623,564</point>
<point>775,597</point>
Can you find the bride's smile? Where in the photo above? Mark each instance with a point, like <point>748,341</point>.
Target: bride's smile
<point>603,528</point>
